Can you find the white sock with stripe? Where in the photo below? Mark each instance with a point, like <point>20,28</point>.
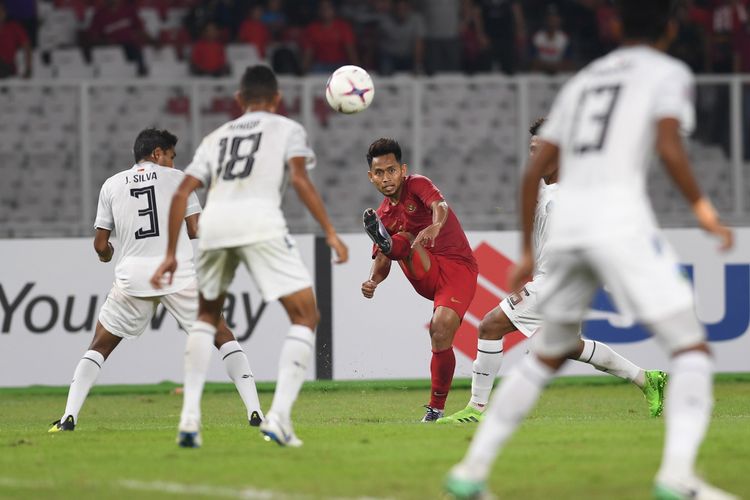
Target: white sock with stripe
<point>238,368</point>
<point>84,376</point>
<point>293,362</point>
<point>605,359</point>
<point>484,371</point>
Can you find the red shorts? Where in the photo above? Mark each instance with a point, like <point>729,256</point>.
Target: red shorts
<point>449,283</point>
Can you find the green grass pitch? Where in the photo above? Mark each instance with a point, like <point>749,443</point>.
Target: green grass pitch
<point>589,437</point>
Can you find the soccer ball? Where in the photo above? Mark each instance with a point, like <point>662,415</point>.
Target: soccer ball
<point>349,90</point>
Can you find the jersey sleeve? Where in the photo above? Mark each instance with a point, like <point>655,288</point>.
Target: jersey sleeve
<point>674,97</point>
<point>425,190</point>
<point>298,146</point>
<point>553,129</point>
<point>193,205</point>
<point>104,216</point>
<point>200,167</point>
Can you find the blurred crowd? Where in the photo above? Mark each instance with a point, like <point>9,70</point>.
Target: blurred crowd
<point>385,36</point>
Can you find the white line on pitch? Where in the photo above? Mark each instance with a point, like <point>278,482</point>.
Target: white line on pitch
<point>10,482</point>
<point>218,491</point>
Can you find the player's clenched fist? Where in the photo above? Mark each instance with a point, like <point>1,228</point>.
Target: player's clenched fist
<point>368,288</point>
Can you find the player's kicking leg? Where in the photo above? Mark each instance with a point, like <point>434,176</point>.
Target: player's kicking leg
<point>85,375</point>
<point>295,358</point>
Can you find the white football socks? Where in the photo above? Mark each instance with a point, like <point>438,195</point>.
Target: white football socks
<point>238,368</point>
<point>485,370</point>
<point>516,396</point>
<point>687,412</point>
<point>605,359</point>
<point>198,350</point>
<point>85,375</point>
<point>293,363</point>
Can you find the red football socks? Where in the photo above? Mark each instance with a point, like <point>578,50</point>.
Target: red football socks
<point>442,366</point>
<point>400,247</point>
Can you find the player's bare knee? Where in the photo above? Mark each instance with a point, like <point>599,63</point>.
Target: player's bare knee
<point>103,342</point>
<point>308,317</point>
<point>209,310</point>
<point>223,334</point>
<point>490,329</point>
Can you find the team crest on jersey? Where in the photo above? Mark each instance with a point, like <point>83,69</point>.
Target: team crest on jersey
<point>410,207</point>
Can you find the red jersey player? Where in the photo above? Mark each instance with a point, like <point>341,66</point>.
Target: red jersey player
<point>415,227</point>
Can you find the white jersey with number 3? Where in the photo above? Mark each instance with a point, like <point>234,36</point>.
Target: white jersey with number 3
<point>243,163</point>
<point>134,204</point>
<point>604,122</point>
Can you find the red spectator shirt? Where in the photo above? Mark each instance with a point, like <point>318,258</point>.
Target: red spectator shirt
<point>255,33</point>
<point>328,42</point>
<point>413,213</point>
<point>119,26</point>
<point>208,56</point>
<point>12,38</point>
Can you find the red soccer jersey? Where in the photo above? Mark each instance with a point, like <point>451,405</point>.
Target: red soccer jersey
<point>412,214</point>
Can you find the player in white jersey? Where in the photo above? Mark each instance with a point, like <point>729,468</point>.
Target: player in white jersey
<point>604,127</point>
<point>520,311</point>
<point>243,164</point>
<point>132,204</point>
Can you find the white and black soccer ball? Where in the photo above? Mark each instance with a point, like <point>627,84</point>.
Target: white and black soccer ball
<point>349,90</point>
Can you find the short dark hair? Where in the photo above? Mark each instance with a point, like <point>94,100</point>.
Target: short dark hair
<point>259,84</point>
<point>645,19</point>
<point>534,129</point>
<point>150,139</point>
<point>382,147</point>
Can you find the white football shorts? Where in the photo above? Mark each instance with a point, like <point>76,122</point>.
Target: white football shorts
<point>522,307</point>
<point>641,274</point>
<point>275,266</point>
<point>126,316</point>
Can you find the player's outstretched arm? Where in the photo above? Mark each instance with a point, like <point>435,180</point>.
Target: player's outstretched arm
<point>102,244</point>
<point>309,196</point>
<point>539,164</point>
<point>672,153</point>
<point>381,267</point>
<point>427,236</point>
<point>176,216</point>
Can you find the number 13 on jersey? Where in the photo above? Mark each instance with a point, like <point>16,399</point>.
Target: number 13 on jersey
<point>592,116</point>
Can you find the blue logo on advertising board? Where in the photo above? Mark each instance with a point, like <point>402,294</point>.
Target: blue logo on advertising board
<point>734,323</point>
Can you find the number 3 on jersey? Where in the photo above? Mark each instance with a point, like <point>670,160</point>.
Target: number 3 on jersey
<point>150,211</point>
<point>235,156</point>
<point>592,115</point>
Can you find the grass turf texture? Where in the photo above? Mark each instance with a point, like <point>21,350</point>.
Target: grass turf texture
<point>589,437</point>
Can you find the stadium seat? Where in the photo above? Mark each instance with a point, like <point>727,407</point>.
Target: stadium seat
<point>242,55</point>
<point>69,63</point>
<point>109,62</point>
<point>163,63</point>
